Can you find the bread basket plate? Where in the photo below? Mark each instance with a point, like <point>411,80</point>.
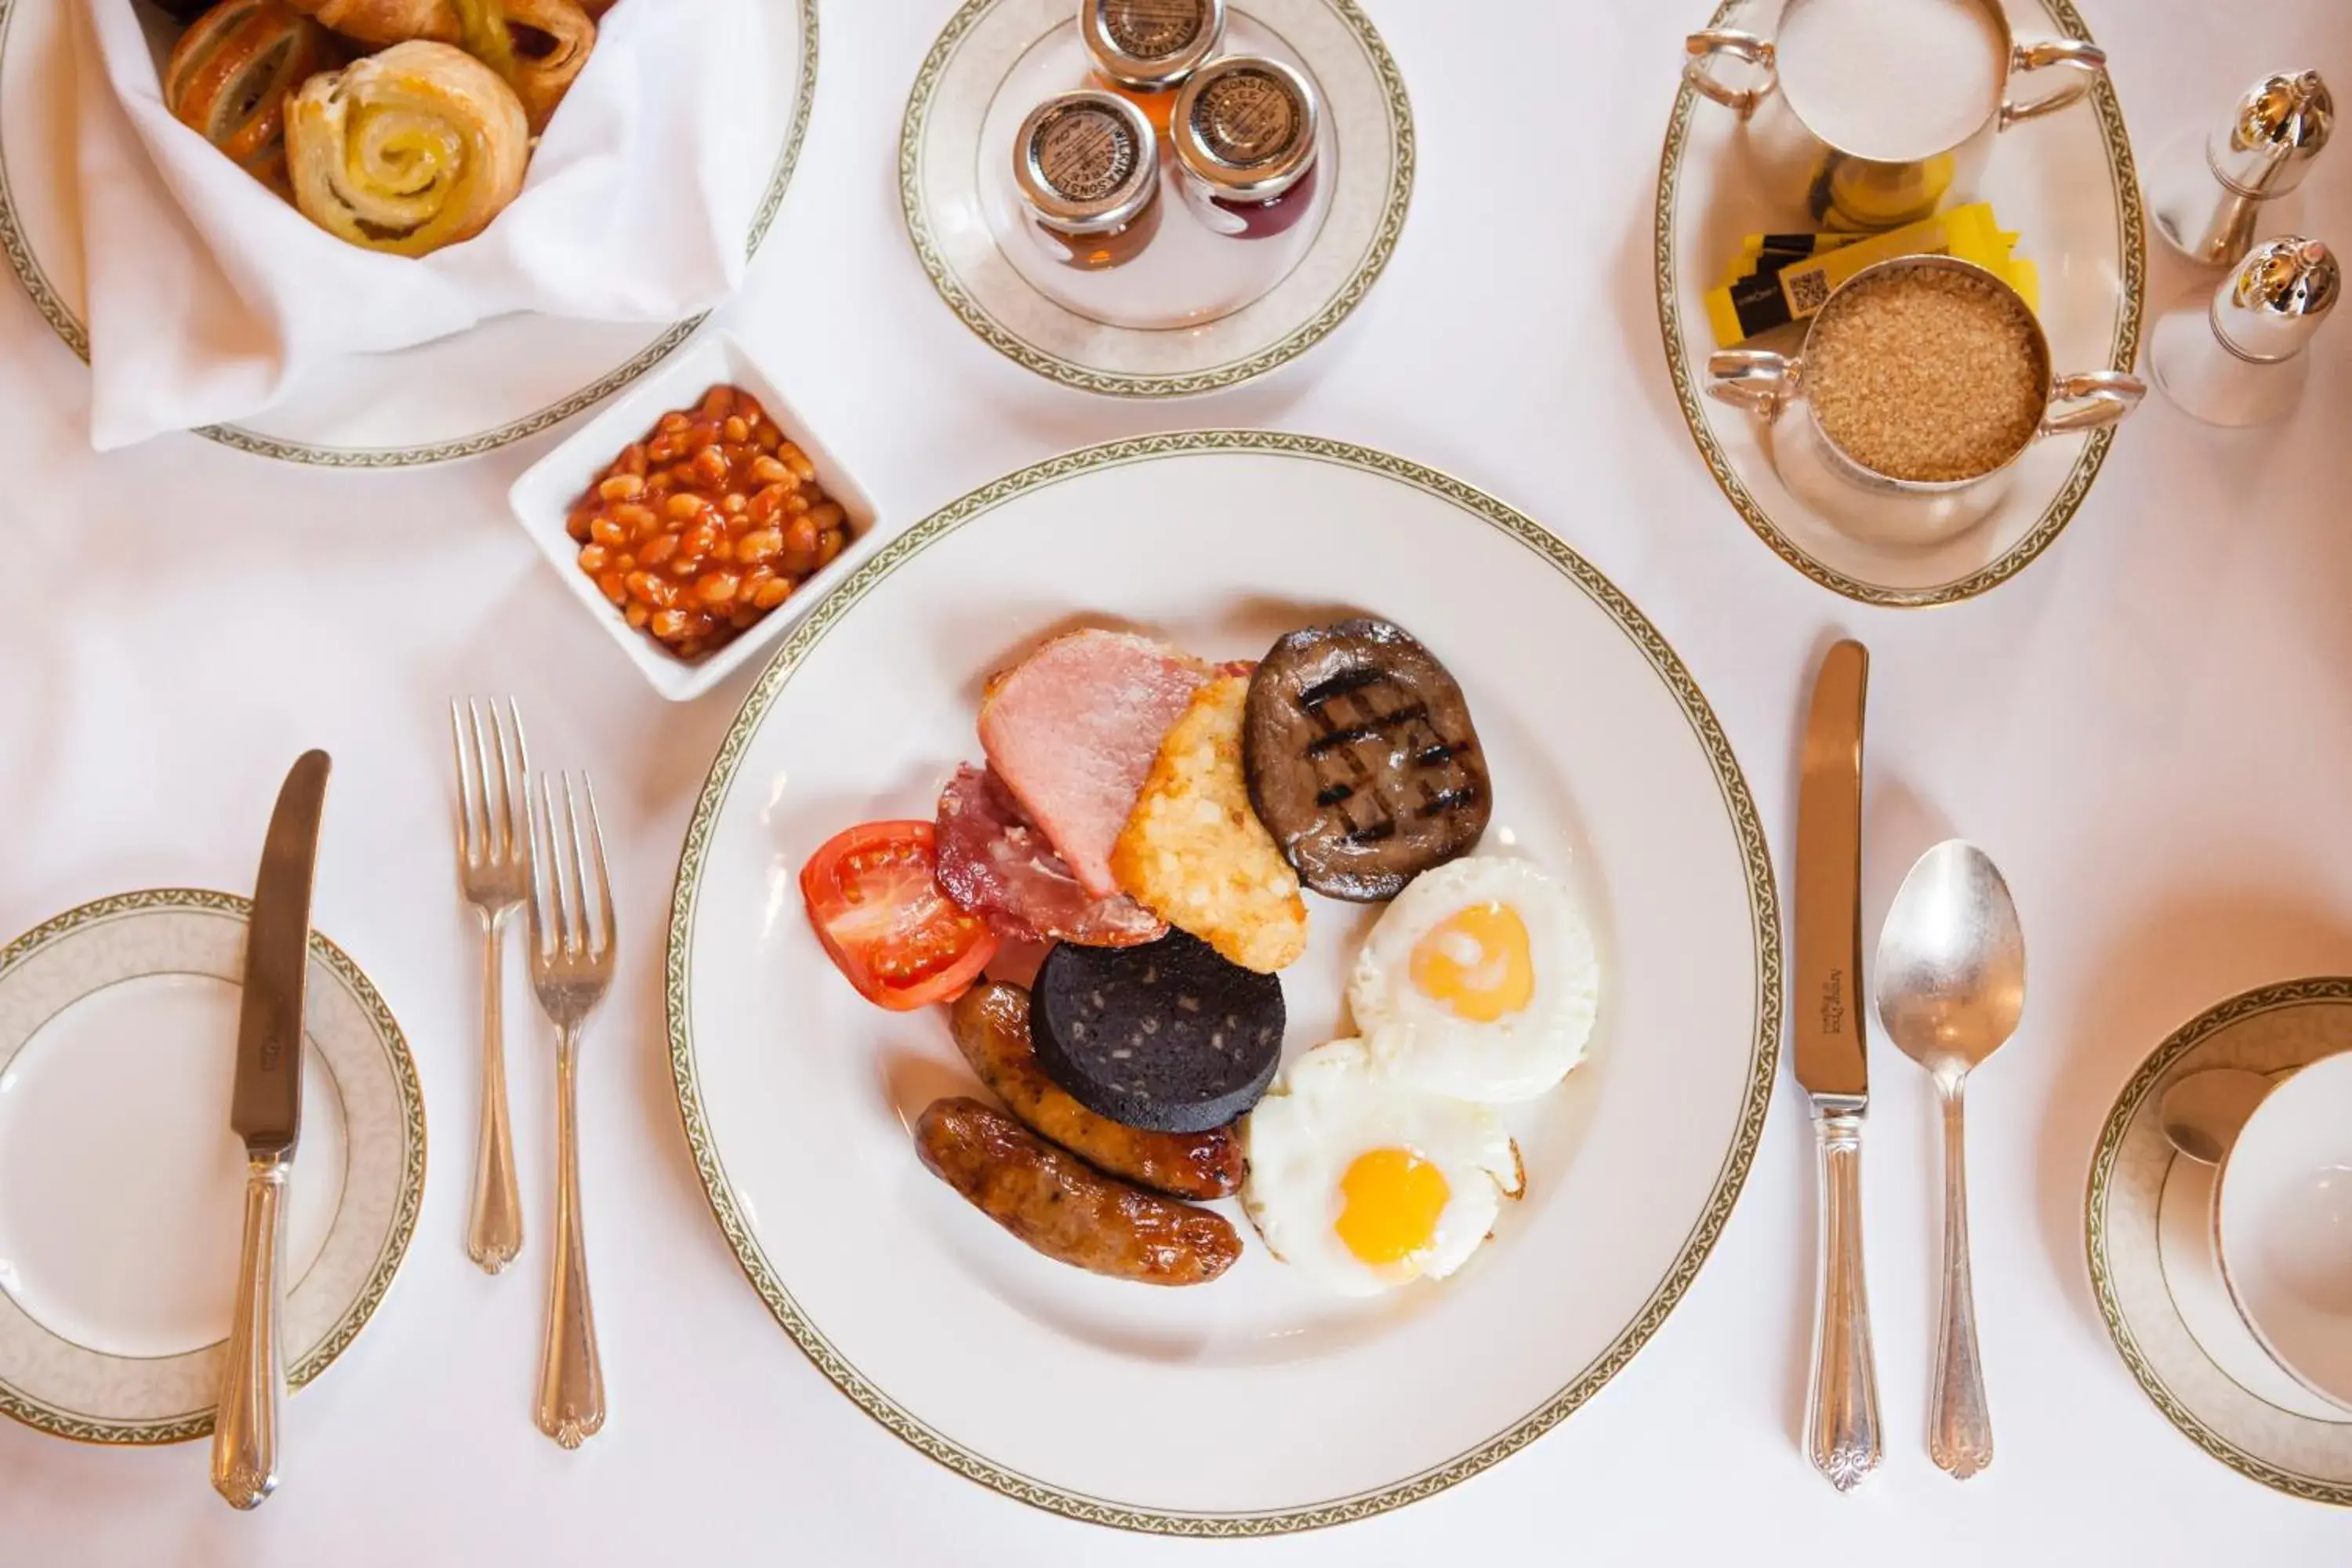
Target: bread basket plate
<point>1197,311</point>
<point>2066,184</point>
<point>1258,1403</point>
<point>502,382</point>
<point>122,1187</point>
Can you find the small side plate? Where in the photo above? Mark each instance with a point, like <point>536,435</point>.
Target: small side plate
<point>122,1186</point>
<point>1196,311</point>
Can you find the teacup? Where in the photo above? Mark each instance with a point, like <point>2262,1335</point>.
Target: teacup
<point>1876,506</point>
<point>1870,113</point>
<point>2282,1226</point>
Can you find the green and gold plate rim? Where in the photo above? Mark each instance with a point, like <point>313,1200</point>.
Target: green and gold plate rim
<point>1085,378</point>
<point>386,1029</point>
<point>2124,176</point>
<point>2288,994</point>
<point>1765,926</point>
<point>76,336</point>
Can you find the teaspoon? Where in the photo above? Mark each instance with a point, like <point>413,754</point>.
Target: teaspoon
<point>1951,984</point>
<point>2202,1113</point>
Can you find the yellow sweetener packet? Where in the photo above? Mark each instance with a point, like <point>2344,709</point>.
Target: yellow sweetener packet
<point>1773,296</point>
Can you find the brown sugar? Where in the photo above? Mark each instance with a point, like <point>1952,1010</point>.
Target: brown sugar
<point>1926,375</point>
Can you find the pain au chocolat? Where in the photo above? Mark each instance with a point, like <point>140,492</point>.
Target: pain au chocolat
<point>229,76</point>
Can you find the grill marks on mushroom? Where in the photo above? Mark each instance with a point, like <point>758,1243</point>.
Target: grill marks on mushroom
<point>1362,760</point>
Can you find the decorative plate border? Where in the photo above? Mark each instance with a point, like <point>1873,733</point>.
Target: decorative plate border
<point>80,1430</point>
<point>1764,1051</point>
<point>1191,383</point>
<point>2134,1094</point>
<point>75,336</point>
<point>2125,175</point>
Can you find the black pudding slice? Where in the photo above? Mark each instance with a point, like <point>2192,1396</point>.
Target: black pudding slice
<point>1167,1037</point>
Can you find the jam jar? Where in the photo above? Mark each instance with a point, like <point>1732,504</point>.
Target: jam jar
<point>1144,49</point>
<point>1087,165</point>
<point>1244,130</point>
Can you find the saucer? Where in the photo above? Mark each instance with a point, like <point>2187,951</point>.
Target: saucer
<point>1196,310</point>
<point>2066,184</point>
<point>2149,1234</point>
<point>122,1187</point>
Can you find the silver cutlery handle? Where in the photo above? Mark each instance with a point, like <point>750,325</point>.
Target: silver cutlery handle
<point>1842,1419</point>
<point>253,1368</point>
<point>1960,1425</point>
<point>494,1227</point>
<point>571,1376</point>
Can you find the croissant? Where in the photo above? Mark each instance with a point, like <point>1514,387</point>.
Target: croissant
<point>230,74</point>
<point>408,151</point>
<point>539,46</point>
<point>388,21</point>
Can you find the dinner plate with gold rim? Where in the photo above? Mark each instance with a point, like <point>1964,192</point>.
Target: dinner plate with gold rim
<point>1257,1402</point>
<point>502,382</point>
<point>1196,310</point>
<point>2064,183</point>
<point>122,1187</point>
<point>2148,1230</point>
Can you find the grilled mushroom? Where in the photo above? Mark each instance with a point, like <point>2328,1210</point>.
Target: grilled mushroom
<point>1361,759</point>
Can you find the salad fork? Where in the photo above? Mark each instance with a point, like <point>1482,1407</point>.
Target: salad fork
<point>571,960</point>
<point>494,873</point>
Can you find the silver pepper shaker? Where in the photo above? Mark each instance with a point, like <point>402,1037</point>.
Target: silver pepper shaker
<point>2207,208</point>
<point>2238,357</point>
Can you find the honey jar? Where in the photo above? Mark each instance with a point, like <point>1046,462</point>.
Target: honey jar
<point>1144,49</point>
<point>1087,166</point>
<point>1244,130</point>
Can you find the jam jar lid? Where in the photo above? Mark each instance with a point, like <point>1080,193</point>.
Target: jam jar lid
<point>1246,127</point>
<point>1150,45</point>
<point>1087,162</point>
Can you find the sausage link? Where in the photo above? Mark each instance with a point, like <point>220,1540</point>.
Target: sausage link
<point>991,1023</point>
<point>1063,1207</point>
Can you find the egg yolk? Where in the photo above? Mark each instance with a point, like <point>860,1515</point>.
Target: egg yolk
<point>1393,1199</point>
<point>1475,961</point>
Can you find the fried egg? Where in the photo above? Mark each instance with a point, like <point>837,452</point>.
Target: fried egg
<point>1364,1184</point>
<point>1480,981</point>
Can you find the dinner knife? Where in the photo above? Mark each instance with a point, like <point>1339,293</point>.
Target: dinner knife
<point>1841,1434</point>
<point>266,1111</point>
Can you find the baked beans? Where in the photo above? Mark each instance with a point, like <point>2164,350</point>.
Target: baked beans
<point>705,525</point>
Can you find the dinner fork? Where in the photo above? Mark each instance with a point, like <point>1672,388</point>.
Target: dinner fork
<point>494,872</point>
<point>572,962</point>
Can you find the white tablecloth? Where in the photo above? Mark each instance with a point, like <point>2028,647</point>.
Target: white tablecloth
<point>2151,730</point>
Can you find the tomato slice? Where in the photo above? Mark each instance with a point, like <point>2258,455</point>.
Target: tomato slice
<point>874,897</point>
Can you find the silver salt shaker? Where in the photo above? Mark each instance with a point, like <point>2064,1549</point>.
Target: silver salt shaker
<point>2238,357</point>
<point>2207,208</point>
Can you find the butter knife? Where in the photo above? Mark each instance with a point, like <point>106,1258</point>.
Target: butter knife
<point>266,1111</point>
<point>1841,1434</point>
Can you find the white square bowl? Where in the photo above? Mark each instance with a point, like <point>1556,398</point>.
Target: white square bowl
<point>543,501</point>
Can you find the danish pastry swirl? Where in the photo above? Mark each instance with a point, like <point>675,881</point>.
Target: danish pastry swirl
<point>408,151</point>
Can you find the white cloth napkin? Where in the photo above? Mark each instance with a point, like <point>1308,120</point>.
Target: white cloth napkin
<point>210,296</point>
